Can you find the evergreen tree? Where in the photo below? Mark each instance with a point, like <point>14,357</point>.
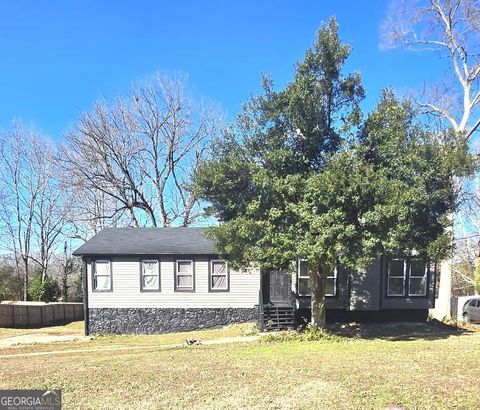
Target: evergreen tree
<point>299,176</point>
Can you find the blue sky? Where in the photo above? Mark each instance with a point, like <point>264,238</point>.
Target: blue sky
<point>58,57</point>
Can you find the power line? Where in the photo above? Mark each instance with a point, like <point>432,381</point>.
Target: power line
<point>468,237</point>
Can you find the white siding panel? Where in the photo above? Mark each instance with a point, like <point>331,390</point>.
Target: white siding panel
<point>244,287</point>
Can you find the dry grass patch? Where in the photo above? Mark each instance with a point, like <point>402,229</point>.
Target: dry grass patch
<point>440,373</point>
<point>117,341</point>
<point>73,328</point>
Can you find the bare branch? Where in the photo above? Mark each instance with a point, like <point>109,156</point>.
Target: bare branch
<point>449,27</point>
<point>140,152</point>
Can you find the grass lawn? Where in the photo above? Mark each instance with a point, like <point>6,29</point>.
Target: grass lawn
<point>70,328</point>
<point>432,372</point>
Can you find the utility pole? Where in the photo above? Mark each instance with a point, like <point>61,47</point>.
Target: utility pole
<point>65,274</point>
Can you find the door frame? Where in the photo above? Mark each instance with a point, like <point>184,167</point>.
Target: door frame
<point>266,289</point>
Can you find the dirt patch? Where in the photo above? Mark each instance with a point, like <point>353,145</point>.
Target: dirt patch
<point>63,333</point>
<point>33,338</point>
<point>76,351</point>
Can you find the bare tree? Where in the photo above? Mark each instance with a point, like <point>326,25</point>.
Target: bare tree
<point>92,211</point>
<point>30,214</point>
<point>466,264</point>
<point>19,188</point>
<point>52,207</point>
<point>451,28</point>
<point>141,153</point>
<point>463,278</point>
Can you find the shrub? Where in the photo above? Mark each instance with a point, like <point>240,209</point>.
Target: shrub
<point>283,336</point>
<point>46,291</point>
<point>248,329</point>
<point>312,333</point>
<point>244,329</point>
<point>76,294</point>
<point>309,334</point>
<point>10,285</point>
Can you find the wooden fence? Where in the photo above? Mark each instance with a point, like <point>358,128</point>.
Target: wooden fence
<point>25,314</point>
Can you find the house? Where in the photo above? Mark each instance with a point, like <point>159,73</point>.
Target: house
<point>150,280</point>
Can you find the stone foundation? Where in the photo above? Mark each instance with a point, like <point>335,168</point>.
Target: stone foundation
<point>163,320</point>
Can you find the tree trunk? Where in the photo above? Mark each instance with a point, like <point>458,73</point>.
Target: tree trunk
<point>65,282</point>
<point>25,281</point>
<point>64,290</point>
<point>19,278</point>
<point>318,276</point>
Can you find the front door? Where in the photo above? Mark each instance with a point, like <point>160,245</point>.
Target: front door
<point>280,287</point>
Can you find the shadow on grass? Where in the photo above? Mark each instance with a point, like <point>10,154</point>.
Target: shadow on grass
<point>401,331</point>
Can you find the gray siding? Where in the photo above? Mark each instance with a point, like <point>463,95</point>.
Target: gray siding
<point>368,291</point>
<point>340,301</point>
<point>244,287</point>
<point>365,290</point>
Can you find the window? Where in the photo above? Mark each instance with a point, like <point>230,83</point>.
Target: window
<point>396,277</point>
<point>150,275</point>
<point>331,284</point>
<point>184,275</point>
<point>102,276</point>
<point>407,274</point>
<point>218,275</point>
<point>417,278</point>
<point>304,280</point>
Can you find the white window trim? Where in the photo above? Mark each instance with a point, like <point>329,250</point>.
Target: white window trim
<point>299,276</point>
<point>404,277</point>
<point>142,275</point>
<point>334,277</point>
<point>425,277</point>
<point>227,276</point>
<point>94,276</point>
<point>184,288</point>
<point>299,270</point>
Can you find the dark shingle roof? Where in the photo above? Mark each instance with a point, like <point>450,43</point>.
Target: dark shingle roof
<point>148,241</point>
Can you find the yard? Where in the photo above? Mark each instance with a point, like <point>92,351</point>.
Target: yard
<point>426,369</point>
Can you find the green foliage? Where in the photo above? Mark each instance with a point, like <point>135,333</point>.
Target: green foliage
<point>35,287</point>
<point>10,284</point>
<point>309,334</point>
<point>77,289</point>
<point>263,163</point>
<point>245,329</point>
<point>314,334</point>
<point>46,291</point>
<point>300,176</point>
<point>414,191</point>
